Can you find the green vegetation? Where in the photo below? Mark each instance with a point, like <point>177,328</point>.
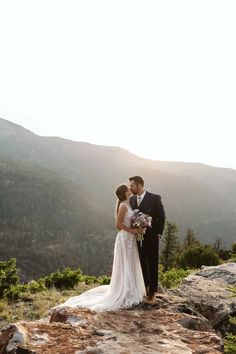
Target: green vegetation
<point>197,255</point>
<point>33,306</point>
<point>233,255</point>
<point>12,289</point>
<point>190,239</point>
<point>191,254</point>
<point>8,276</point>
<point>230,338</point>
<point>47,223</point>
<point>171,244</point>
<point>173,277</point>
<point>33,300</point>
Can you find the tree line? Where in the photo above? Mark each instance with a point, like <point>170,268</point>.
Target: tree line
<point>191,253</point>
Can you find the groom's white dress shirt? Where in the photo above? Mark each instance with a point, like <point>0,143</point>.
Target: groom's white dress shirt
<point>140,197</point>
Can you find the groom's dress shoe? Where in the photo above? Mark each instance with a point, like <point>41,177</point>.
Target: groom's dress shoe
<point>147,290</point>
<point>150,300</point>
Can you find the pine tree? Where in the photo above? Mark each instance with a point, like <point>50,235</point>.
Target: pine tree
<point>171,245</point>
<point>234,248</point>
<point>217,244</point>
<point>190,239</point>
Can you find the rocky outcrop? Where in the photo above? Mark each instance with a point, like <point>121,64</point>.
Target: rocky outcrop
<point>77,331</point>
<point>208,292</point>
<point>182,321</point>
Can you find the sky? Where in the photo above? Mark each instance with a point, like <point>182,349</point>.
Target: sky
<point>155,77</point>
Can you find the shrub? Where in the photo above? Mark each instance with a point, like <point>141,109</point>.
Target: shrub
<point>8,275</point>
<point>224,254</point>
<point>230,338</point>
<point>65,279</point>
<point>230,344</point>
<point>197,255</point>
<point>173,277</point>
<point>36,286</point>
<point>104,280</point>
<point>14,291</point>
<point>90,279</point>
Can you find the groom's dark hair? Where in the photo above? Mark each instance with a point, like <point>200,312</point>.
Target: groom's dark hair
<point>137,180</point>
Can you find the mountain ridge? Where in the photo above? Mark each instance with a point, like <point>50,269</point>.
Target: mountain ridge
<point>88,144</point>
<point>195,195</point>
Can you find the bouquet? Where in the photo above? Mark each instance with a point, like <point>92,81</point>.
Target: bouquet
<point>142,221</point>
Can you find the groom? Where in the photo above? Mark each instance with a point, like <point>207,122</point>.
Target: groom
<point>150,204</point>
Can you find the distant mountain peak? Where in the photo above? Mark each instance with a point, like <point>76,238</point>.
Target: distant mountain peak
<point>8,128</point>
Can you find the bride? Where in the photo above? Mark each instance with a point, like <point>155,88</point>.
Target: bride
<point>127,285</point>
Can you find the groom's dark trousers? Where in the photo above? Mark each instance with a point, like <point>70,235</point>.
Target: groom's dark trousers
<point>149,250</point>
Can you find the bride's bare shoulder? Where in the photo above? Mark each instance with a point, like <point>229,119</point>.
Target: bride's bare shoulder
<point>123,205</point>
<point>122,211</point>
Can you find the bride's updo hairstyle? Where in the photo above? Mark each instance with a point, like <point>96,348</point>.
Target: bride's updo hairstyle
<point>120,193</point>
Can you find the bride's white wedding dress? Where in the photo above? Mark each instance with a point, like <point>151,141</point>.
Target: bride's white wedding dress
<point>127,285</point>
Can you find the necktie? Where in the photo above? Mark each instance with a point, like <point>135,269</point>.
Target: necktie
<point>139,200</point>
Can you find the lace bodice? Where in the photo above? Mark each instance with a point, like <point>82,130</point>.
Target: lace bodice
<point>128,215</point>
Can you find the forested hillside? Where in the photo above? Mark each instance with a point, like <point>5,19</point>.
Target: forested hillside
<point>47,222</point>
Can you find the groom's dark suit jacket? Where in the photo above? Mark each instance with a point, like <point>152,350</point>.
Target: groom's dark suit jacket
<point>151,205</point>
<point>149,250</point>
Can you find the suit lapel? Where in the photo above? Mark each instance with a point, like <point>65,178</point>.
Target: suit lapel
<point>145,198</point>
<point>133,202</point>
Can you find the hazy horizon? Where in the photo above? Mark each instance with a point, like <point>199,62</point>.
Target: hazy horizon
<point>62,137</point>
<point>156,78</point>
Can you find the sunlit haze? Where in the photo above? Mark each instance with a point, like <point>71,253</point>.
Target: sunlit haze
<point>155,77</point>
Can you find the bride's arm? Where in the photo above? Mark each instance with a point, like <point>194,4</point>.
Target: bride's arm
<point>120,218</point>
